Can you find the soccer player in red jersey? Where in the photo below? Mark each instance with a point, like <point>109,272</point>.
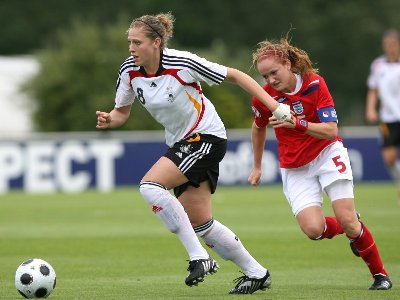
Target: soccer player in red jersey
<point>312,157</point>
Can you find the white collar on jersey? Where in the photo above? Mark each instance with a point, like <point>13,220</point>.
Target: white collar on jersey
<point>299,82</point>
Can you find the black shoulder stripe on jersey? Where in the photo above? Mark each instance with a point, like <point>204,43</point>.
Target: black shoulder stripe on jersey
<point>190,63</point>
<point>204,73</point>
<point>129,60</point>
<point>194,65</point>
<point>310,89</point>
<point>118,83</point>
<point>123,68</point>
<point>128,63</point>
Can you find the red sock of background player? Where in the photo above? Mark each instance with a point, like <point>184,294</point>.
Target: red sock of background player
<point>332,228</point>
<point>366,246</point>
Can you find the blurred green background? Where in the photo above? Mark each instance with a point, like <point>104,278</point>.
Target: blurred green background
<point>81,44</point>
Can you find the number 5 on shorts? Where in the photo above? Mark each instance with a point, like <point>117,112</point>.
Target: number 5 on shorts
<point>339,164</point>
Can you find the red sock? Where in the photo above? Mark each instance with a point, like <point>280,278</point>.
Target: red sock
<point>366,246</point>
<point>332,228</point>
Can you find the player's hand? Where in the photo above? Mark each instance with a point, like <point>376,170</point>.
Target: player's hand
<point>275,123</point>
<point>255,177</point>
<point>103,120</point>
<point>283,113</point>
<point>372,116</point>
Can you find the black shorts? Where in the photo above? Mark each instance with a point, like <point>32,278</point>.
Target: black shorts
<point>198,157</point>
<point>390,134</point>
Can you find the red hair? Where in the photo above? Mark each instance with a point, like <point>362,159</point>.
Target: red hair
<point>284,51</point>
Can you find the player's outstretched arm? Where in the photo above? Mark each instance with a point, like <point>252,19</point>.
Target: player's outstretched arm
<point>113,119</point>
<point>279,110</point>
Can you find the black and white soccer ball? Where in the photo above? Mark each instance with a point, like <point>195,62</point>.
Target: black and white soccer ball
<point>35,278</point>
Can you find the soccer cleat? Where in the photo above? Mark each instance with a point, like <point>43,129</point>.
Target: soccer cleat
<point>200,268</point>
<point>381,282</point>
<point>352,247</point>
<point>247,285</point>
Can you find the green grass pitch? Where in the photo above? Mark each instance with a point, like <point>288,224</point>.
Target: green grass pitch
<point>111,246</point>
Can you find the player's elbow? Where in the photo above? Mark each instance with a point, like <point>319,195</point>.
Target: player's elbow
<point>235,76</point>
<point>332,133</point>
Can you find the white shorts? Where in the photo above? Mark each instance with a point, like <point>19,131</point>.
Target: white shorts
<point>303,186</point>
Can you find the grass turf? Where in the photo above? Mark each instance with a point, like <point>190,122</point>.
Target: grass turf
<point>110,246</point>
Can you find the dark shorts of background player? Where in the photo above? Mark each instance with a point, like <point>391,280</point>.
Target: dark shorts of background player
<point>198,159</point>
<point>390,134</point>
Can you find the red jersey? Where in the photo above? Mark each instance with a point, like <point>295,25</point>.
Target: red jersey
<point>313,103</point>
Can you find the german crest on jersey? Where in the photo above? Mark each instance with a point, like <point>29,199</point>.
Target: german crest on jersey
<point>171,96</point>
<point>298,107</point>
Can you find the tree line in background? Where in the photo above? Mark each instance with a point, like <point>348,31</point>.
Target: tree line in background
<point>81,45</point>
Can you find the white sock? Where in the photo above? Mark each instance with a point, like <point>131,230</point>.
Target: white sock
<point>223,241</point>
<point>173,215</point>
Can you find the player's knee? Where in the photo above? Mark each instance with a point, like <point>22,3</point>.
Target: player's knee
<point>203,229</point>
<point>313,232</point>
<point>151,191</point>
<point>351,226</point>
<point>163,204</point>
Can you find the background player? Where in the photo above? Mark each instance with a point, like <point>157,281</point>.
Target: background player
<point>384,85</point>
<point>312,157</point>
<point>167,83</point>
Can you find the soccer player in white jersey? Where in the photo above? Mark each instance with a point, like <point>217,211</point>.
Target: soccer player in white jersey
<point>384,87</point>
<point>167,83</point>
<point>312,157</point>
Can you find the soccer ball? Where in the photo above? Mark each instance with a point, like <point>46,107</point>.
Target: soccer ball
<point>35,278</point>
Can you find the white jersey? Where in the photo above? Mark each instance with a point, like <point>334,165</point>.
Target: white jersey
<point>385,77</point>
<point>173,96</point>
